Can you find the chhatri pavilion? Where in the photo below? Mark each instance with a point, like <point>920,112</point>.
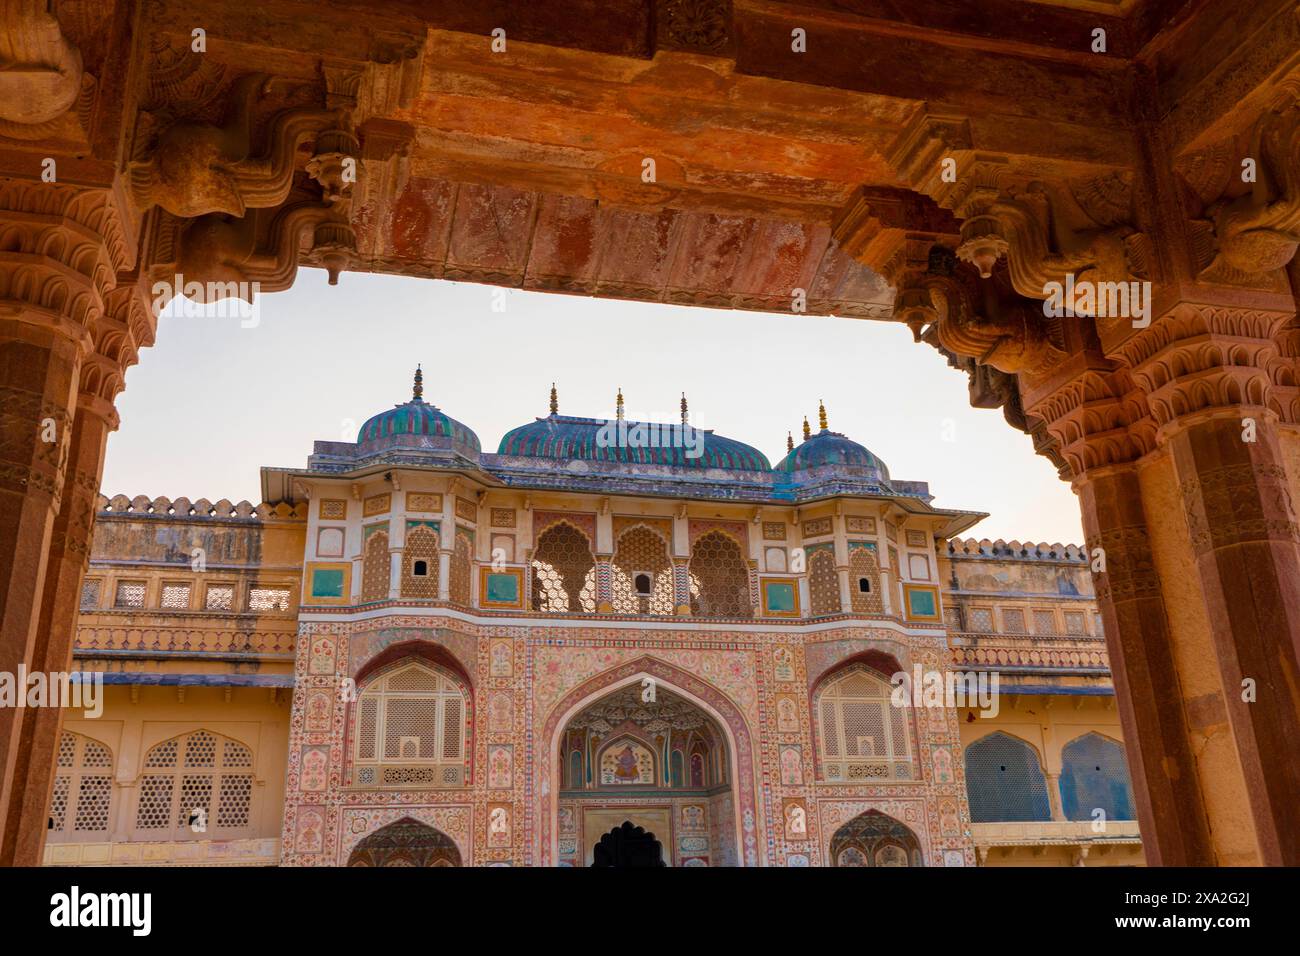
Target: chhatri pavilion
<point>585,649</point>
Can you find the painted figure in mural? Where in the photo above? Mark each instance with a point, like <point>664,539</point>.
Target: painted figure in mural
<point>627,770</point>
<point>796,820</point>
<point>499,822</point>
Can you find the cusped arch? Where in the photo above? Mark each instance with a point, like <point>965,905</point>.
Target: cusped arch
<point>405,842</point>
<point>1095,777</point>
<point>1005,782</point>
<point>729,717</point>
<point>859,735</point>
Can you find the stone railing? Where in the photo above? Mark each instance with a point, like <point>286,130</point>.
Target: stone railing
<point>171,639</point>
<point>256,852</point>
<point>1024,650</point>
<point>203,508</point>
<point>1052,831</point>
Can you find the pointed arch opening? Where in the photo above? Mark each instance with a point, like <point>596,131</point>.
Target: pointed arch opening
<point>875,839</point>
<point>405,842</point>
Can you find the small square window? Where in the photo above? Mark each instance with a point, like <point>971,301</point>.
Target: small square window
<point>420,569</point>
<point>130,594</point>
<point>644,584</point>
<point>219,597</point>
<point>864,585</point>
<point>176,597</point>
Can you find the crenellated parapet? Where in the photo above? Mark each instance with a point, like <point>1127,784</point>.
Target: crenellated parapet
<point>184,508</point>
<point>1015,550</point>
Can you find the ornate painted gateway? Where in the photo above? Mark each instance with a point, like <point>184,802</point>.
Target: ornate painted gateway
<point>419,653</point>
<point>1091,207</point>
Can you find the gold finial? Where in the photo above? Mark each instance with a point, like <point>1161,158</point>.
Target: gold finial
<point>417,390</point>
<point>555,400</point>
<point>684,415</point>
<point>789,442</point>
<point>619,411</point>
<point>807,432</point>
<point>821,415</point>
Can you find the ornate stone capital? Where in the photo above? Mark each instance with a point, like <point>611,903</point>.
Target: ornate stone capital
<point>40,69</point>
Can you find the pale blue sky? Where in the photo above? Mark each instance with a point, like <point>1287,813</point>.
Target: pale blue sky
<point>212,401</point>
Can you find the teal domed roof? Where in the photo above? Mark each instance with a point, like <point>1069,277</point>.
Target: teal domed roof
<point>417,424</point>
<point>566,438</point>
<point>828,448</point>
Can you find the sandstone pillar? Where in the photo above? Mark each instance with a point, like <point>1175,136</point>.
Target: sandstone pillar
<point>1166,785</point>
<point>61,257</point>
<point>69,554</point>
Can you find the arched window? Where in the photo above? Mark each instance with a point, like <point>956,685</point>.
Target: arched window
<point>462,569</point>
<point>411,728</point>
<point>375,567</point>
<point>861,736</point>
<point>196,787</point>
<point>1004,781</point>
<point>719,578</point>
<point>1094,775</point>
<point>823,582</point>
<point>83,790</point>
<point>420,563</point>
<point>564,571</point>
<point>642,574</point>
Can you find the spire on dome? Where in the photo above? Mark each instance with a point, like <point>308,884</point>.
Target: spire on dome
<point>417,390</point>
<point>789,442</point>
<point>555,400</point>
<point>821,415</point>
<point>807,432</point>
<point>619,410</point>
<point>685,417</point>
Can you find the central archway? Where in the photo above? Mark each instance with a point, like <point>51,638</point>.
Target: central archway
<point>405,842</point>
<point>721,805</point>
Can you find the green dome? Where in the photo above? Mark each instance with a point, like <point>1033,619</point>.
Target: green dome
<point>417,420</point>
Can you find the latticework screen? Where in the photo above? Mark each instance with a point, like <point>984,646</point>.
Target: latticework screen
<point>175,597</point>
<point>90,593</point>
<point>1074,623</point>
<point>1005,781</point>
<point>130,594</point>
<point>376,568</point>
<point>980,619</point>
<point>861,735</point>
<point>420,553</point>
<point>411,727</point>
<point>564,571</point>
<point>219,597</point>
<point>719,578</point>
<point>863,566</point>
<point>823,582</point>
<point>268,599</point>
<point>196,787</point>
<point>642,552</point>
<point>83,790</point>
<point>459,589</point>
<point>1094,776</point>
<point>1044,622</point>
<point>1013,621</point>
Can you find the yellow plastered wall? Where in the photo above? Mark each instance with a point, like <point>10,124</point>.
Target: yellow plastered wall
<point>257,717</point>
<point>1047,723</point>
